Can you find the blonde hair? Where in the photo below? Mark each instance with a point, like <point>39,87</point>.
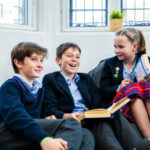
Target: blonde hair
<point>134,35</point>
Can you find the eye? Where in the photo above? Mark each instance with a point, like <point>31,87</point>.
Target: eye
<point>121,46</point>
<point>41,60</point>
<point>69,55</point>
<point>33,59</point>
<point>115,46</point>
<point>78,57</point>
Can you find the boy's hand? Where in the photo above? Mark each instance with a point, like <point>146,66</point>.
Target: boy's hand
<point>54,144</point>
<point>125,82</point>
<point>72,115</point>
<point>50,117</point>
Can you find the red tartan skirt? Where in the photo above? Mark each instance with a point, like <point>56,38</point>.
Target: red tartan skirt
<point>133,91</point>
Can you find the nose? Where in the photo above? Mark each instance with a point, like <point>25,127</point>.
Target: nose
<point>40,64</point>
<point>74,58</point>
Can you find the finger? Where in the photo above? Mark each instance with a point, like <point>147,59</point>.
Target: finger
<point>127,80</point>
<point>64,143</point>
<point>53,117</point>
<point>77,114</point>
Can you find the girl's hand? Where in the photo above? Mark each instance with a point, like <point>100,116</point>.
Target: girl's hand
<point>148,78</point>
<point>125,82</point>
<point>50,117</point>
<point>142,79</point>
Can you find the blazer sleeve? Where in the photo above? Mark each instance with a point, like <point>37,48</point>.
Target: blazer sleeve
<point>108,87</point>
<point>50,103</point>
<point>97,101</point>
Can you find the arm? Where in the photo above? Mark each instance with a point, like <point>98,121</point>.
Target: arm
<point>15,116</point>
<point>72,115</point>
<point>96,98</point>
<point>108,87</point>
<point>50,102</point>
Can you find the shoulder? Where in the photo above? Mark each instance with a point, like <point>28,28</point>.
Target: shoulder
<point>84,76</point>
<point>10,84</point>
<point>112,60</point>
<point>52,75</point>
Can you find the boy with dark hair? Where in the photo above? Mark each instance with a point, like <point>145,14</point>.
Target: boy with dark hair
<point>20,105</point>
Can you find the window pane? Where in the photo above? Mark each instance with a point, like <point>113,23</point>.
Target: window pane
<point>97,4</point>
<point>88,4</point>
<point>74,4</point>
<point>139,15</point>
<point>13,11</point>
<point>99,18</point>
<point>139,3</point>
<point>147,15</point>
<point>147,4</point>
<point>129,3</point>
<point>80,17</point>
<point>79,4</point>
<point>89,18</point>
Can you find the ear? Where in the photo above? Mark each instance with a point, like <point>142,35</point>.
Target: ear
<point>18,63</point>
<point>135,46</point>
<point>58,61</point>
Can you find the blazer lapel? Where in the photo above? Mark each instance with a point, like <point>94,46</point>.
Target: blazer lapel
<point>63,86</point>
<point>83,89</point>
<point>118,69</point>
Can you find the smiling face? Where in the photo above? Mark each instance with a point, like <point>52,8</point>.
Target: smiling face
<point>124,49</point>
<point>31,67</point>
<point>69,62</point>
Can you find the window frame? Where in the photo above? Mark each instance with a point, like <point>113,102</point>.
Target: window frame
<point>112,4</point>
<point>32,5</point>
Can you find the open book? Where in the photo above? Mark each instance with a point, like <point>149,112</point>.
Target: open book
<point>104,113</point>
<point>142,68</point>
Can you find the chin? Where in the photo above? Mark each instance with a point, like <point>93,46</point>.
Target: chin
<point>120,58</point>
<point>36,76</point>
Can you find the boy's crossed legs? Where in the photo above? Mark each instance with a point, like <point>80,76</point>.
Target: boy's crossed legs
<point>70,130</point>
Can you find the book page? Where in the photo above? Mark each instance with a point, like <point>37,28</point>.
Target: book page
<point>116,106</point>
<point>97,113</point>
<point>142,68</point>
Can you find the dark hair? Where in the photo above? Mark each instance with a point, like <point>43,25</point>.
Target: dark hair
<point>25,49</point>
<point>64,46</point>
<point>134,35</point>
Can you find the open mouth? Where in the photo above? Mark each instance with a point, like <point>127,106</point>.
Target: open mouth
<point>72,65</point>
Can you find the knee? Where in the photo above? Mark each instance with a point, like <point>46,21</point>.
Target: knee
<point>88,136</point>
<point>72,122</point>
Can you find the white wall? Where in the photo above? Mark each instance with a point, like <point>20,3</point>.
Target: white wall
<point>95,45</point>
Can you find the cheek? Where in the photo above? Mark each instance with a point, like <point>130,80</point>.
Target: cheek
<point>42,66</point>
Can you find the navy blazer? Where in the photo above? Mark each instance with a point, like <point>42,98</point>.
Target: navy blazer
<point>109,83</point>
<point>57,96</point>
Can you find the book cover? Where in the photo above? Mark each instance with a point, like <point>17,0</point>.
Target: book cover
<point>104,113</point>
<point>142,68</point>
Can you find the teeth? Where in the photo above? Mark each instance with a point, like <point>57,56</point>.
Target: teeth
<point>73,65</point>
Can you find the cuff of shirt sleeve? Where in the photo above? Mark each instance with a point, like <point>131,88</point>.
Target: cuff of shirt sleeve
<point>48,137</point>
<point>118,88</point>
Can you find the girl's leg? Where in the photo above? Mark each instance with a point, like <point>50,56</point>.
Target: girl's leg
<point>147,105</point>
<point>140,115</point>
